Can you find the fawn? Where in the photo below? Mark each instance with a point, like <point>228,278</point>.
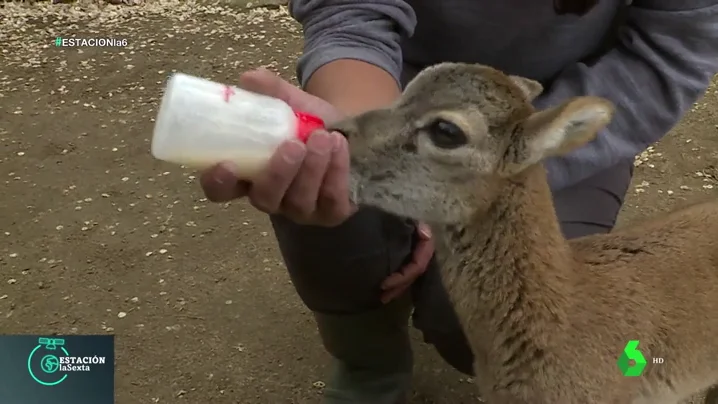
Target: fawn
<point>546,318</point>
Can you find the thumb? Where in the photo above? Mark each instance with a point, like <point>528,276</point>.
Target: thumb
<point>262,81</point>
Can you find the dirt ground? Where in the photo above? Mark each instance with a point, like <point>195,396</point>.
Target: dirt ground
<point>98,237</point>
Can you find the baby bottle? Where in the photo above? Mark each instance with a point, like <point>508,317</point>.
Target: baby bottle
<point>201,123</point>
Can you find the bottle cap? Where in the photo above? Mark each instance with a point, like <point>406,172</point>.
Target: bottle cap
<point>306,124</point>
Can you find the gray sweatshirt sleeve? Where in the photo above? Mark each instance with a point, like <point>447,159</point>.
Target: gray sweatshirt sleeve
<point>366,30</point>
<point>664,61</point>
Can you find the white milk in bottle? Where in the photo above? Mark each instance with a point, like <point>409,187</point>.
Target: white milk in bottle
<point>201,123</point>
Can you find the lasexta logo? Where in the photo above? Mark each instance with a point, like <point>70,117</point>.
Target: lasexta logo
<point>631,362</point>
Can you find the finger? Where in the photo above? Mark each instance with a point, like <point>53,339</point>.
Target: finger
<point>394,280</point>
<point>423,230</point>
<point>301,198</point>
<point>333,201</point>
<point>270,185</point>
<point>421,256</point>
<point>404,277</point>
<point>390,295</point>
<point>220,184</point>
<point>423,252</point>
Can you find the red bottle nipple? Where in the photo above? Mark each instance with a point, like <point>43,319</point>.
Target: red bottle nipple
<point>306,124</point>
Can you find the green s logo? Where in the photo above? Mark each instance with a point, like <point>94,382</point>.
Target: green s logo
<point>631,353</point>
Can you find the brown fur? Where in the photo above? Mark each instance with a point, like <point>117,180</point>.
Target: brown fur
<point>546,318</point>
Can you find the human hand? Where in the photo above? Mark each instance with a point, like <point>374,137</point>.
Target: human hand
<point>307,183</point>
<point>397,283</point>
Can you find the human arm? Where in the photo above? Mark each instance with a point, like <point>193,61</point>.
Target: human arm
<point>353,86</point>
<point>355,44</point>
<point>352,55</point>
<point>663,61</point>
<point>352,59</point>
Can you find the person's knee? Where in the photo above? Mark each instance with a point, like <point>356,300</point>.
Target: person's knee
<point>339,270</point>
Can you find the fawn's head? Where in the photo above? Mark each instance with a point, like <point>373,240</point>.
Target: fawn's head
<point>457,134</point>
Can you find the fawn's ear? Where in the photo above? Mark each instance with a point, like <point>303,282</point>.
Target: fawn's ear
<point>530,88</point>
<point>555,131</point>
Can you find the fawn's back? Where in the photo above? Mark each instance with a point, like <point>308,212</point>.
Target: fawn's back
<point>655,282</point>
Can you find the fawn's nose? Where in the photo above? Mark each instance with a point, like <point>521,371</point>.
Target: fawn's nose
<point>347,127</point>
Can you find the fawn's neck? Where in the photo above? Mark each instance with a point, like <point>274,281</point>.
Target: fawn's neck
<point>508,271</point>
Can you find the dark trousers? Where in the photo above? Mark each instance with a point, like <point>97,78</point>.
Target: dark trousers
<point>339,270</point>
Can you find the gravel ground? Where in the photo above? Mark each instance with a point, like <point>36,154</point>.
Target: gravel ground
<point>101,238</point>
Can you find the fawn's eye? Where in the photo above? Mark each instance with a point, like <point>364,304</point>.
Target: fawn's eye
<point>446,135</point>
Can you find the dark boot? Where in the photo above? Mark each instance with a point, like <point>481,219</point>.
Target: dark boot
<point>372,355</point>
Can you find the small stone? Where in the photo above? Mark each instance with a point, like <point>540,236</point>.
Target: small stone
<point>121,314</point>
